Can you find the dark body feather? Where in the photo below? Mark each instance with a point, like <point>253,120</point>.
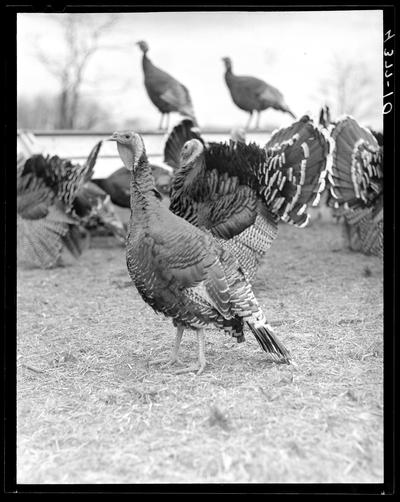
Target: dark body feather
<point>117,185</point>
<point>165,92</point>
<point>253,94</point>
<point>239,191</point>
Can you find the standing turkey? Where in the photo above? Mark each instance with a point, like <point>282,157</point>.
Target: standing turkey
<point>356,185</point>
<point>239,192</point>
<point>166,93</point>
<point>55,202</point>
<point>181,270</point>
<point>252,94</point>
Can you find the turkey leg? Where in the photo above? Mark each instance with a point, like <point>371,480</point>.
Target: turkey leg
<point>258,121</point>
<point>161,122</point>
<point>199,368</point>
<point>248,122</point>
<point>167,127</point>
<point>174,355</point>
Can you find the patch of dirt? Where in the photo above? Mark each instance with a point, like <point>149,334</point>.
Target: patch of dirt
<point>91,409</point>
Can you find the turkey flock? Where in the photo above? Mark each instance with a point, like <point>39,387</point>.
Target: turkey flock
<point>248,93</point>
<point>195,259</point>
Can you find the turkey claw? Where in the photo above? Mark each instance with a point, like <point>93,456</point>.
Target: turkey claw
<point>198,369</point>
<point>166,362</point>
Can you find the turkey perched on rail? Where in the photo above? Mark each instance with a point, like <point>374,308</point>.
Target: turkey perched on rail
<point>253,94</point>
<point>166,93</point>
<point>55,202</point>
<point>181,270</point>
<point>356,185</point>
<point>239,192</point>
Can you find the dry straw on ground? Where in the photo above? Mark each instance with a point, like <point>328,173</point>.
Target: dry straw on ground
<point>92,410</point>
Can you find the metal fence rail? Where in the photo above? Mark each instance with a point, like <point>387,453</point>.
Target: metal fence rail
<point>76,145</point>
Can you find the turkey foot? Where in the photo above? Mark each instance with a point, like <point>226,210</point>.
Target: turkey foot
<point>197,368</point>
<point>166,361</point>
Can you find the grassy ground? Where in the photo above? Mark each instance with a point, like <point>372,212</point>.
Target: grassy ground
<point>92,410</point>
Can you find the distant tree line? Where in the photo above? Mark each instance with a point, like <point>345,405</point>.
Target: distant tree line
<point>43,112</point>
<point>349,87</point>
<point>70,107</point>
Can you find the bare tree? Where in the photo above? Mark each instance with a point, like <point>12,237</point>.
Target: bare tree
<point>350,88</point>
<point>83,37</point>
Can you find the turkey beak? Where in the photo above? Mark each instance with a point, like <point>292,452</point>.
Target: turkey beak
<point>113,137</point>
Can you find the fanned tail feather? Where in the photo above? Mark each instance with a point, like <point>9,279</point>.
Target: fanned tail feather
<point>356,185</point>
<point>364,229</point>
<point>61,175</point>
<point>76,240</point>
<point>373,240</point>
<point>40,241</point>
<point>43,227</point>
<point>356,175</point>
<point>295,172</point>
<point>182,132</point>
<point>91,161</point>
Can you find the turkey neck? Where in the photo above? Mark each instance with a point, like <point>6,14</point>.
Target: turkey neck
<point>190,181</point>
<point>146,63</point>
<point>228,75</point>
<point>143,192</point>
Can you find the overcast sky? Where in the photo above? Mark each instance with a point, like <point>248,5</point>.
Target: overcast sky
<point>294,51</point>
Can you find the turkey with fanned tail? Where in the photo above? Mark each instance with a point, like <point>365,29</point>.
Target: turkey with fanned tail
<point>356,185</point>
<point>239,192</point>
<point>182,271</point>
<point>55,203</point>
<point>44,228</point>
